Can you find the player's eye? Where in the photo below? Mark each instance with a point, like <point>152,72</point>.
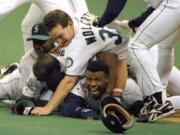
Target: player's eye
<point>58,37</point>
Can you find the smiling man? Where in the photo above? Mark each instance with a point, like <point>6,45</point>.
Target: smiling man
<point>82,41</point>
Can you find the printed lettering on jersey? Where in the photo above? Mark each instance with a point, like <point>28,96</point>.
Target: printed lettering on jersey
<point>103,33</point>
<point>89,35</point>
<point>87,31</point>
<point>61,53</point>
<point>69,62</point>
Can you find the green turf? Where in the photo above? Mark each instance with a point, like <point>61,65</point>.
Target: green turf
<point>58,125</point>
<point>11,50</point>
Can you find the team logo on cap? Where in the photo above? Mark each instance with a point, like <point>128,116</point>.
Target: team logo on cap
<point>36,28</point>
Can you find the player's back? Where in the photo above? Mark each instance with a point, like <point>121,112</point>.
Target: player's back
<point>89,41</point>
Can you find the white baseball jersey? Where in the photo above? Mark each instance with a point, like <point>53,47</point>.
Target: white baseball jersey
<point>11,85</point>
<point>37,11</point>
<point>89,41</point>
<point>25,67</point>
<point>33,87</point>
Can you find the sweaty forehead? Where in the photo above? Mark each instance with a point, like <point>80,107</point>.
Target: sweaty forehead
<point>90,74</point>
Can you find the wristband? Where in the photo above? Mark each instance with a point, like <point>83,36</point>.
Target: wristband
<point>117,92</point>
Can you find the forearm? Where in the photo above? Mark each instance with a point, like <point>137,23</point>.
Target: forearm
<point>111,60</point>
<point>121,74</point>
<point>113,9</point>
<point>61,92</point>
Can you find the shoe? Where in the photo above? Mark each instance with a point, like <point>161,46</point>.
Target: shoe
<point>135,111</point>
<point>161,111</point>
<point>150,102</point>
<point>8,69</point>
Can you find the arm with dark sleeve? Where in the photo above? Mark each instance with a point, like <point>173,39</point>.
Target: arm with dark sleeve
<point>113,9</point>
<point>136,22</point>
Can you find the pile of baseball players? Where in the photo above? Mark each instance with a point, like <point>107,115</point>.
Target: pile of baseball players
<point>79,65</point>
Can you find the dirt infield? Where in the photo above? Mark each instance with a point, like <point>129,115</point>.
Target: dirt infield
<point>173,118</point>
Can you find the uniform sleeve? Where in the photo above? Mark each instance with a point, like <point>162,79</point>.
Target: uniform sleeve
<point>32,87</point>
<point>136,22</point>
<point>113,9</point>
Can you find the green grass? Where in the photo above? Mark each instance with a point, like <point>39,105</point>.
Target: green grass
<point>58,125</point>
<point>11,49</point>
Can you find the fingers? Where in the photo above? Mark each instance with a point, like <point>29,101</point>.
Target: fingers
<point>40,111</point>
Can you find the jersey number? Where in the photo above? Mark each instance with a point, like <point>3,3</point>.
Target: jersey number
<point>110,34</point>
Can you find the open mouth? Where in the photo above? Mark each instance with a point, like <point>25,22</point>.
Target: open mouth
<point>94,91</point>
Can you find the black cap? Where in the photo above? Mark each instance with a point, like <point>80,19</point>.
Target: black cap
<point>39,32</point>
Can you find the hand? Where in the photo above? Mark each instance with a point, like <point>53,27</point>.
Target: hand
<point>119,25</point>
<point>124,24</point>
<point>93,19</point>
<point>41,111</point>
<point>117,93</point>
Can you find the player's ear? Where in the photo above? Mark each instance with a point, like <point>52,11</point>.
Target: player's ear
<point>70,23</point>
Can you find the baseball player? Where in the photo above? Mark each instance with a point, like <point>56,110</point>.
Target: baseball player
<point>37,11</point>
<point>97,77</point>
<point>129,101</point>
<point>79,37</point>
<point>11,84</point>
<point>150,33</point>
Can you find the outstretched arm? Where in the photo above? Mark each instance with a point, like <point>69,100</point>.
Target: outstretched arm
<point>61,92</point>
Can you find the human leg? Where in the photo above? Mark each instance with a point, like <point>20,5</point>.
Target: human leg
<point>144,39</point>
<point>9,86</point>
<point>34,15</point>
<point>7,6</point>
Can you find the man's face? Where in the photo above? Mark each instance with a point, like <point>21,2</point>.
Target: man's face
<point>96,82</point>
<point>63,36</point>
<point>44,46</point>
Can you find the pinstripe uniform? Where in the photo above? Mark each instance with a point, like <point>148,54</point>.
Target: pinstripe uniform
<point>11,85</point>
<point>162,27</point>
